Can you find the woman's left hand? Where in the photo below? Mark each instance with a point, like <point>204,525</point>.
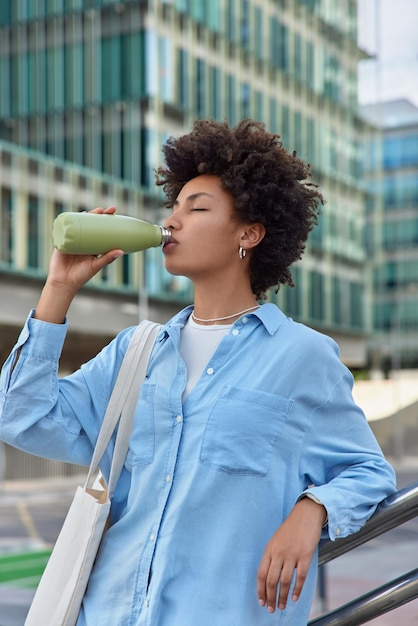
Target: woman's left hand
<point>291,548</point>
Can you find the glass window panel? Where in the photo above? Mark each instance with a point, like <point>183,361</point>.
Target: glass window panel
<point>245,100</point>
<point>5,87</point>
<point>182,78</point>
<point>310,65</point>
<point>316,296</point>
<point>245,24</point>
<point>200,87</point>
<point>132,65</point>
<point>21,9</point>
<point>259,105</point>
<point>285,126</point>
<point>274,117</point>
<point>6,238</point>
<point>231,20</point>
<point>298,57</point>
<point>215,90</point>
<point>111,72</point>
<point>232,100</point>
<point>259,33</point>
<point>23,83</point>
<point>166,70</point>
<point>152,65</point>
<point>214,15</point>
<point>293,295</point>
<point>33,230</point>
<point>5,12</point>
<point>356,305</point>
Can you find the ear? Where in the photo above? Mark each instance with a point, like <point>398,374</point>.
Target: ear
<point>252,236</point>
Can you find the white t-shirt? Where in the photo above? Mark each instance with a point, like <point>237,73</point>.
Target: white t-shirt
<point>197,345</point>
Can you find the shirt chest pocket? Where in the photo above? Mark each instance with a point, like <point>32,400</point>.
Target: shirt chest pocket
<point>242,430</point>
<point>142,441</point>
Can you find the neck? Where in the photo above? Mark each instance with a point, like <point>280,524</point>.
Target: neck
<point>212,307</point>
<point>226,318</point>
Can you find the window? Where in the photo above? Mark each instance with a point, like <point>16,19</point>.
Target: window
<point>279,45</point>
<point>317,297</point>
<point>259,34</point>
<point>182,79</point>
<point>33,231</point>
<point>200,87</point>
<point>356,305</point>
<point>6,238</point>
<point>215,91</point>
<point>232,100</point>
<point>166,70</point>
<point>293,295</point>
<point>111,69</point>
<point>245,100</point>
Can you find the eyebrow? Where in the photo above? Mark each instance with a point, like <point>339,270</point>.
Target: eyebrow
<point>194,196</point>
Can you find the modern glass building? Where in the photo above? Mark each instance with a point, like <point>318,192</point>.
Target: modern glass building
<point>90,89</point>
<point>394,224</point>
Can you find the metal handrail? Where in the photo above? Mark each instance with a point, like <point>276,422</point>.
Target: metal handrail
<point>391,512</point>
<point>372,604</point>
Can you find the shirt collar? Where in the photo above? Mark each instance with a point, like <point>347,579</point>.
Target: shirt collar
<point>268,314</point>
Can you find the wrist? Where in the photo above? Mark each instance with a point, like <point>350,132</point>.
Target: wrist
<point>54,303</point>
<point>313,498</point>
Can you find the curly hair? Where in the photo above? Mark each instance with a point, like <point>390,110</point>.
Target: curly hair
<point>267,184</point>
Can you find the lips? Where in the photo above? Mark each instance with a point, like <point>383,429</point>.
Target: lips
<point>170,245</point>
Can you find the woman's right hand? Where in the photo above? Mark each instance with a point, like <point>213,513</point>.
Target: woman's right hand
<point>67,274</point>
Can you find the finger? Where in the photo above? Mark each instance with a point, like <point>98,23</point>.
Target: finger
<point>285,582</point>
<point>272,581</point>
<point>105,259</point>
<point>261,580</point>
<point>301,574</point>
<point>108,211</point>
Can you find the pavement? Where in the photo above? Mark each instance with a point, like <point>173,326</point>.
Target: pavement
<point>346,577</point>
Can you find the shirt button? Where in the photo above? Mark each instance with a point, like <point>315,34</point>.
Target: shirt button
<point>338,532</point>
<point>209,371</point>
<point>147,603</point>
<point>244,320</point>
<point>179,419</point>
<point>168,478</point>
<point>235,332</point>
<point>152,537</point>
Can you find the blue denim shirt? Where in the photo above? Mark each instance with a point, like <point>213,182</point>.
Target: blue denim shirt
<point>206,482</point>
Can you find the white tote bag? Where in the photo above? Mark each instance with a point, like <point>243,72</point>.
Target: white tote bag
<point>60,593</point>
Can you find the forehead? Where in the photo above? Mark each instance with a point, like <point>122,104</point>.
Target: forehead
<point>204,184</point>
<point>207,189</point>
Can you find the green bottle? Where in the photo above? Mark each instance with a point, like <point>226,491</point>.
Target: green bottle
<point>97,233</point>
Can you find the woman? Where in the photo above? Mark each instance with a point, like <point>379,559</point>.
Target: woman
<point>246,444</point>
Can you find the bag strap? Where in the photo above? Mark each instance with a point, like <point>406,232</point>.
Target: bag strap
<point>123,401</point>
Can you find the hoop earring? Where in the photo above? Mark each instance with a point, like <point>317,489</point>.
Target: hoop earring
<point>242,252</point>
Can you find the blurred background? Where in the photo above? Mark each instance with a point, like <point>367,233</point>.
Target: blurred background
<point>91,89</point>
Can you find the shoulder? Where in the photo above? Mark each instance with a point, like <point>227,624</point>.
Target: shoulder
<point>295,335</point>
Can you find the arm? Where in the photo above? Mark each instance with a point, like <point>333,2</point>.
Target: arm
<point>345,470</point>
<point>40,413</point>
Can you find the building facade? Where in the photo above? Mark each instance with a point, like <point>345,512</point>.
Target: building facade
<point>393,175</point>
<point>89,91</point>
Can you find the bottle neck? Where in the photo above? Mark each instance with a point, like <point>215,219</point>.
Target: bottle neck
<point>165,235</point>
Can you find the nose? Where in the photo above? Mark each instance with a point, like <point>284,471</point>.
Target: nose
<point>171,222</point>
